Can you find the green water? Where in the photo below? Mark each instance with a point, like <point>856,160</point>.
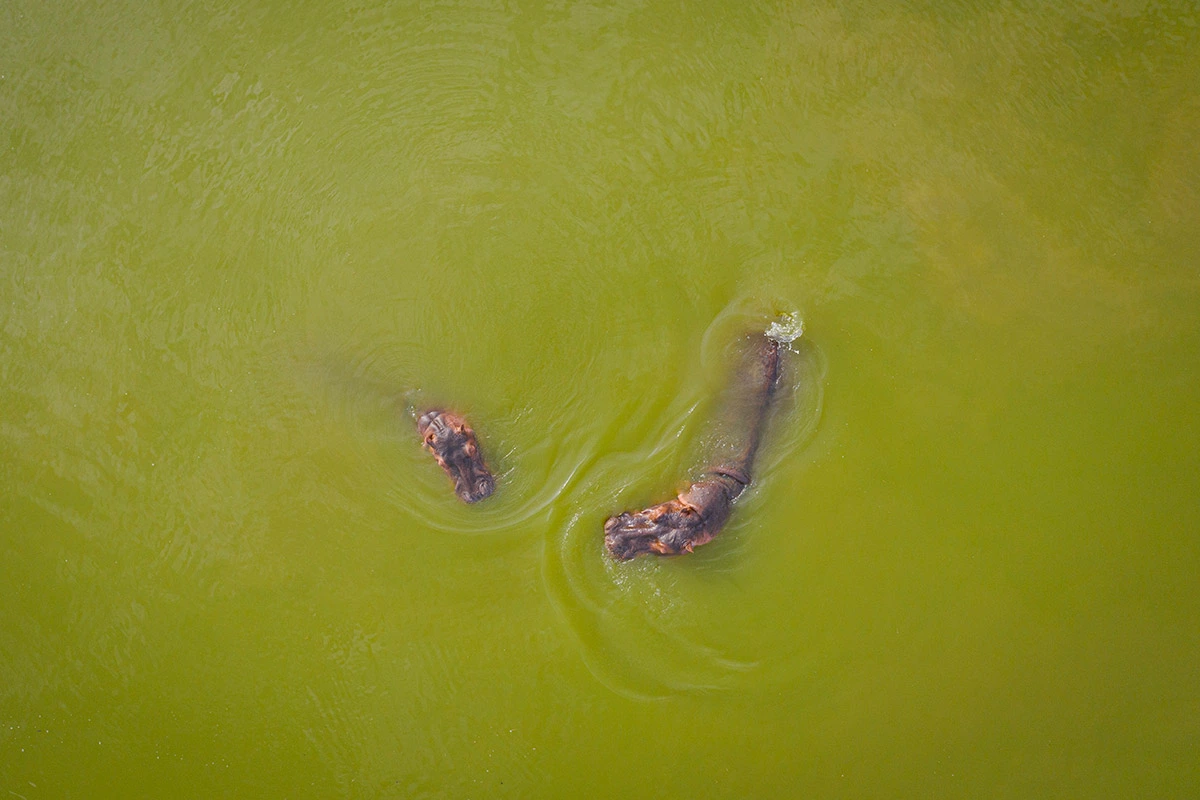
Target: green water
<point>237,239</point>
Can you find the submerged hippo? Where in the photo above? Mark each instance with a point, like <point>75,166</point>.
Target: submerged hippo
<point>699,513</point>
<point>453,444</point>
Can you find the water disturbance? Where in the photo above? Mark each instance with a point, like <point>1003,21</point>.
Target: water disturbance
<point>243,246</point>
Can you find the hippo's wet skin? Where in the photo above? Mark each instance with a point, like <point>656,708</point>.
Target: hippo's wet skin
<point>453,444</point>
<point>699,513</point>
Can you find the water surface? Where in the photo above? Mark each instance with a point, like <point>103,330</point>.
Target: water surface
<point>240,242</point>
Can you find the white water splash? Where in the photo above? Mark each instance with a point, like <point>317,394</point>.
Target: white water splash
<point>787,328</point>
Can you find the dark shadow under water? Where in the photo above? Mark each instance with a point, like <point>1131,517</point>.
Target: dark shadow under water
<point>645,628</point>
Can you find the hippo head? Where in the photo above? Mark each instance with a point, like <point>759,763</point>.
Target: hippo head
<point>453,444</point>
<point>672,528</point>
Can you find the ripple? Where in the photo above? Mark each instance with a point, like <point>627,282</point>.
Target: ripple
<point>641,627</point>
<point>648,629</point>
<point>377,390</point>
<point>652,628</point>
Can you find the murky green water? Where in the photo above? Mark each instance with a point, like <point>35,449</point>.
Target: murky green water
<point>236,239</point>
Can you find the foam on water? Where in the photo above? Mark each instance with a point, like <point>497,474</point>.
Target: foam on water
<point>787,328</point>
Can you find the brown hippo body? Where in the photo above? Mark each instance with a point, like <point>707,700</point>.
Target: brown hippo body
<point>699,513</point>
<point>452,442</point>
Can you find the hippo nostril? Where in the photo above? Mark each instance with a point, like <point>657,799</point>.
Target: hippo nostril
<point>482,488</point>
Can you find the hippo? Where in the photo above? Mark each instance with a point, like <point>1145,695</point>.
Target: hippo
<point>699,513</point>
<point>452,442</point>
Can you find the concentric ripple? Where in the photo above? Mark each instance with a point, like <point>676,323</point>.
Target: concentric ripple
<point>652,628</point>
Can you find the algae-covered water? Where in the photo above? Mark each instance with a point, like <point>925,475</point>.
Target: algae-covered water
<point>241,242</point>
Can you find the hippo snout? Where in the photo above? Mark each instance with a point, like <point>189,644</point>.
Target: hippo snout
<point>482,488</point>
